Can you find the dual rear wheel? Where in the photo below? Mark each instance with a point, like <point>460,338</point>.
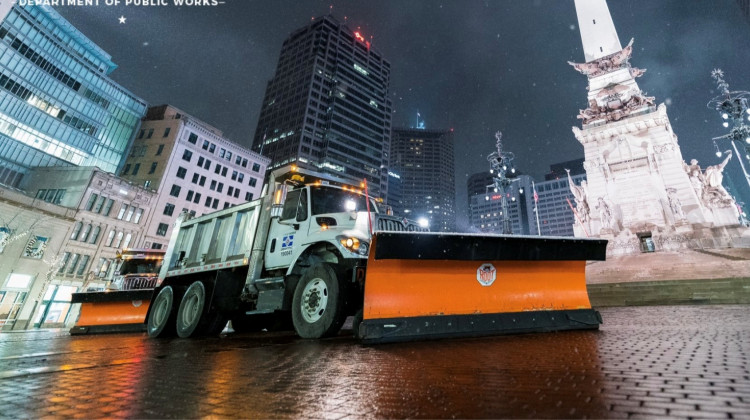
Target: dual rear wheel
<point>190,318</point>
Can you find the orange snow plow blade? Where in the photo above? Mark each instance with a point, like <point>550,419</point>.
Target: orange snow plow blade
<point>116,311</point>
<point>427,285</point>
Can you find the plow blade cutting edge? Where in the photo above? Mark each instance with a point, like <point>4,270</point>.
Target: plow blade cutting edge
<point>430,285</point>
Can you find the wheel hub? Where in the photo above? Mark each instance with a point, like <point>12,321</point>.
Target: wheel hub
<point>314,300</point>
<point>160,314</point>
<point>191,310</point>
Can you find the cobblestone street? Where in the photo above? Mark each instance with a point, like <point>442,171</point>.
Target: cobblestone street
<point>676,361</point>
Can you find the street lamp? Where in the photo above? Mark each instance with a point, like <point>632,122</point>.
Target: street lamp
<point>733,106</point>
<point>501,163</point>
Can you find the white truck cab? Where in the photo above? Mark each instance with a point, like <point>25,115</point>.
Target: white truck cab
<point>319,213</point>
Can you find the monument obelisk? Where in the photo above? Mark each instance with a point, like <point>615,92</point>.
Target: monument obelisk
<point>640,194</point>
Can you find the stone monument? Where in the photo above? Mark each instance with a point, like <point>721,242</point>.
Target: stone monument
<point>641,195</point>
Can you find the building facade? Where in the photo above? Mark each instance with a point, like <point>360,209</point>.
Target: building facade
<point>327,105</point>
<point>478,184</point>
<point>108,214</point>
<point>32,234</point>
<point>424,159</point>
<point>58,106</point>
<point>486,208</point>
<point>553,203</point>
<point>395,195</point>
<point>191,167</point>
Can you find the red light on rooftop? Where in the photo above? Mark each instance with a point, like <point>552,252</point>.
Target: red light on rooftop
<point>359,36</point>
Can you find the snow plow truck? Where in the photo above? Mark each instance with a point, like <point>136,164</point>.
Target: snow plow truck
<point>316,249</point>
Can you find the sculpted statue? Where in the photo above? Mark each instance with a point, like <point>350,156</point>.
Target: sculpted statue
<point>605,214</point>
<point>714,174</point>
<point>696,176</point>
<point>674,204</point>
<point>708,185</point>
<point>580,193</point>
<point>713,191</point>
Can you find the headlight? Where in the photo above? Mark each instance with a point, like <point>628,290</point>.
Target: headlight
<point>354,245</point>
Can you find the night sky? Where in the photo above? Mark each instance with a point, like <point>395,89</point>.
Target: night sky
<point>474,66</point>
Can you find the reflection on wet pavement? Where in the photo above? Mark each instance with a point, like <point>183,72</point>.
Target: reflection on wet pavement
<point>644,362</point>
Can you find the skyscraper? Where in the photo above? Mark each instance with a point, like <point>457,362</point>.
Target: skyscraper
<point>58,107</point>
<point>327,105</point>
<point>424,159</point>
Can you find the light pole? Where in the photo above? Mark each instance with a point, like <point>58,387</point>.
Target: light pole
<point>501,164</point>
<point>733,106</point>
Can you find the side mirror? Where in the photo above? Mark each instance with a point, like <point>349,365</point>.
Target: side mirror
<point>279,197</point>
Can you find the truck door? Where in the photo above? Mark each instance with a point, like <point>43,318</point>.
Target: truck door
<point>289,231</point>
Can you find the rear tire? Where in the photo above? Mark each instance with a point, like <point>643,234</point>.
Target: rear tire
<point>317,307</point>
<point>191,310</point>
<point>161,319</point>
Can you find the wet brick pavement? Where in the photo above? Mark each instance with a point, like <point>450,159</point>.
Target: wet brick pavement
<point>645,362</point>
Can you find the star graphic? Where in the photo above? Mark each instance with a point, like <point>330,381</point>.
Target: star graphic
<point>122,19</point>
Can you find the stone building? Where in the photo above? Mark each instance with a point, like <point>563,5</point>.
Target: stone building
<point>192,167</point>
<point>33,232</point>
<point>109,215</point>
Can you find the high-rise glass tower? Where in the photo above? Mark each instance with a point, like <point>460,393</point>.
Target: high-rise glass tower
<point>327,106</point>
<point>58,107</point>
<point>424,159</point>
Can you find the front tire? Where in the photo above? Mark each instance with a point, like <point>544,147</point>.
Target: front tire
<point>191,310</point>
<point>317,307</point>
<point>161,319</point>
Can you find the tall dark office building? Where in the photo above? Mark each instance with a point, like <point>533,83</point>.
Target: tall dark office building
<point>327,105</point>
<point>558,170</point>
<point>424,159</point>
<point>478,183</point>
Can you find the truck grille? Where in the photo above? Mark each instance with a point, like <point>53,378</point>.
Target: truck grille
<point>137,283</point>
<point>395,224</point>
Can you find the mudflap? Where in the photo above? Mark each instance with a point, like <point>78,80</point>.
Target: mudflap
<point>111,312</point>
<point>428,285</point>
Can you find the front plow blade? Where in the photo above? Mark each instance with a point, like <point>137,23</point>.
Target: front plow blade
<point>428,285</point>
<point>111,312</point>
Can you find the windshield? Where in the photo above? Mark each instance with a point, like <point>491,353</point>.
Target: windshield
<point>140,267</point>
<point>333,200</point>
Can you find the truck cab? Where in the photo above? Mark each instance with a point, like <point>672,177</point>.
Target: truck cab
<point>319,216</point>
